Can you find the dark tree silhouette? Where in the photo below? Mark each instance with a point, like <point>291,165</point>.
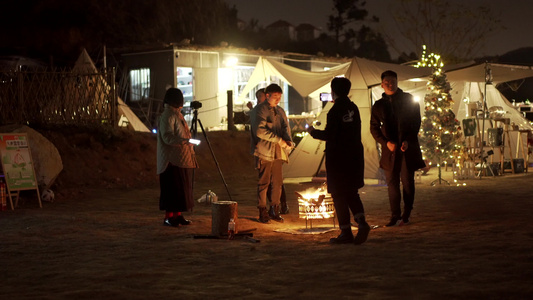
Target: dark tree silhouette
<point>62,27</point>
<point>455,31</point>
<point>343,23</point>
<point>346,12</point>
<point>372,45</point>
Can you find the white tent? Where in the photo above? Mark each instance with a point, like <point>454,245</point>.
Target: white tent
<point>468,86</point>
<point>85,65</point>
<point>306,159</point>
<point>304,82</point>
<point>365,75</point>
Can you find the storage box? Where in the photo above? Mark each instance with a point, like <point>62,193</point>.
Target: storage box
<point>518,165</point>
<point>495,167</point>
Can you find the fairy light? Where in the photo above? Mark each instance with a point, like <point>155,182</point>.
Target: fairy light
<point>440,134</point>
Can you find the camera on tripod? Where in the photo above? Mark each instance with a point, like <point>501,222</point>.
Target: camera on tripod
<point>196,104</point>
<point>484,155</point>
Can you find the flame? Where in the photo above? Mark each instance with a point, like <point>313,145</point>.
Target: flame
<point>314,204</point>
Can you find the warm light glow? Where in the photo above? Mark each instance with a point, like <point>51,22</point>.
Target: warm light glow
<point>315,204</point>
<point>231,61</point>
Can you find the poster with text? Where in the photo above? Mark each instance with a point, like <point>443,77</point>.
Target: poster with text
<point>17,164</point>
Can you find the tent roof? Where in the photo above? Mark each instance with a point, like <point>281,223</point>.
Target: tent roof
<point>364,73</point>
<point>500,73</point>
<point>304,82</point>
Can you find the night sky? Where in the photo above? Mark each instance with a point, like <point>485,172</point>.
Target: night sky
<point>515,14</point>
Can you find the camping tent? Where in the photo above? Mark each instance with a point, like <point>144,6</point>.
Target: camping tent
<point>468,86</point>
<point>306,159</point>
<point>304,82</point>
<point>85,65</point>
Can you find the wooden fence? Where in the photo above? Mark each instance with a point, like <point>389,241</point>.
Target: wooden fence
<point>58,98</point>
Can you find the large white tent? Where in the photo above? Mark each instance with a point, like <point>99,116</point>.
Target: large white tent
<point>306,159</point>
<point>467,83</point>
<point>469,86</point>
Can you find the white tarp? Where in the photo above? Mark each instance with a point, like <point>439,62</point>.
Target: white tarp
<point>365,76</point>
<point>468,86</point>
<point>85,65</point>
<point>305,82</point>
<point>307,158</point>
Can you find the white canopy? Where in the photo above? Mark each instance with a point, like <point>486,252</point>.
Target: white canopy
<point>500,73</point>
<point>365,75</point>
<point>468,86</point>
<point>305,82</point>
<point>307,158</point>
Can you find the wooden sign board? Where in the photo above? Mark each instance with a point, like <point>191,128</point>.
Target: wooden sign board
<point>17,165</point>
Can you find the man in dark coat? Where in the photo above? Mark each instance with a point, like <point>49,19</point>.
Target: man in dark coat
<point>394,123</point>
<point>344,162</point>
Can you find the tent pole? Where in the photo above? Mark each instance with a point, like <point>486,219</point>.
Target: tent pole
<point>488,80</point>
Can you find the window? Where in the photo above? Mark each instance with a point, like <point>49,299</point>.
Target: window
<point>140,84</point>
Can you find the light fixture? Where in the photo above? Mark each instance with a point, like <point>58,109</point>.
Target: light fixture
<point>231,61</point>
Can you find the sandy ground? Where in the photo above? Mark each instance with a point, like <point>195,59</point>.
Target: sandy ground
<point>464,242</point>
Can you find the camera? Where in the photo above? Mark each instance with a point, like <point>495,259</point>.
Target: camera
<point>196,104</point>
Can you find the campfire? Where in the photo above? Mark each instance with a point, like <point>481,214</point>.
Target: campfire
<point>315,204</point>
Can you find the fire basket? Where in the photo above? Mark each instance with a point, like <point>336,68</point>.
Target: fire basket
<point>315,205</point>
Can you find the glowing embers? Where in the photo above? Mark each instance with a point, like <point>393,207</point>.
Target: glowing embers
<point>315,204</point>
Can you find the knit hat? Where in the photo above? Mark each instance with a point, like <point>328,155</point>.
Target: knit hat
<point>174,97</point>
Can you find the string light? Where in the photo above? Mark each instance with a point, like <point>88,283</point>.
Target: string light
<point>441,137</point>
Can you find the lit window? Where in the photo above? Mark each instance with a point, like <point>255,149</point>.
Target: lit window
<point>140,84</point>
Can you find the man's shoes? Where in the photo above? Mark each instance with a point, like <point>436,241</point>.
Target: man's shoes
<point>273,213</point>
<point>263,215</point>
<point>362,233</point>
<point>346,237</point>
<point>284,209</point>
<point>393,222</point>
<point>171,222</point>
<point>182,221</point>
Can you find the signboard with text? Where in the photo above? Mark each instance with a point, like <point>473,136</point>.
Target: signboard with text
<point>17,164</point>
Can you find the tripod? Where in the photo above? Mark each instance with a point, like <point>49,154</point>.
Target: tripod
<point>439,180</point>
<point>484,164</point>
<point>194,130</point>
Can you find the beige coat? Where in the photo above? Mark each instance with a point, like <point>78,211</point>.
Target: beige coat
<point>173,141</point>
<point>268,127</point>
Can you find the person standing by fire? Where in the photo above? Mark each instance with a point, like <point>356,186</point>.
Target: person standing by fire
<point>260,96</point>
<point>344,162</point>
<point>394,124</point>
<point>271,144</point>
<point>175,161</point>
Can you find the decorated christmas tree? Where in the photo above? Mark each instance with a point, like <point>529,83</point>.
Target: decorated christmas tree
<point>441,138</point>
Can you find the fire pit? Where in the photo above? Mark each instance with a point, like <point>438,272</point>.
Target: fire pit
<point>315,204</point>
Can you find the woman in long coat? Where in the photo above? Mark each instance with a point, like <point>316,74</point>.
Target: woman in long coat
<point>175,161</point>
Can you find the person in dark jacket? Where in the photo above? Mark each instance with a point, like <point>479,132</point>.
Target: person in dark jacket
<point>394,124</point>
<point>344,162</point>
